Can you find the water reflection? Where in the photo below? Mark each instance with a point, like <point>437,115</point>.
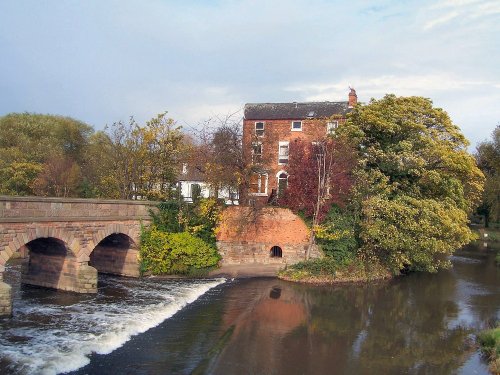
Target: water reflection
<point>418,324</point>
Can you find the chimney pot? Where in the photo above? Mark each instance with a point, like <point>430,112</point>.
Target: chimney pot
<point>353,98</point>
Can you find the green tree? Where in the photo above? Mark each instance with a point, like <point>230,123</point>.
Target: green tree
<point>146,158</point>
<point>29,141</point>
<point>488,159</point>
<point>415,182</point>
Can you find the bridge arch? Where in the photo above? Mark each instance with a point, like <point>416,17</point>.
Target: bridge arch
<point>116,254</point>
<point>20,240</point>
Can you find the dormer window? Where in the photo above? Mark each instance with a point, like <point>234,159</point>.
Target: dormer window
<point>331,127</point>
<point>296,126</point>
<point>259,129</point>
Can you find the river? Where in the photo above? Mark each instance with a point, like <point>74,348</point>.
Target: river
<point>417,324</point>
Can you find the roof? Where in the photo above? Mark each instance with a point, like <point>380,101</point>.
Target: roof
<point>299,111</point>
<point>195,173</point>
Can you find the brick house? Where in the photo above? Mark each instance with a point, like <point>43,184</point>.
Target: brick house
<point>268,129</point>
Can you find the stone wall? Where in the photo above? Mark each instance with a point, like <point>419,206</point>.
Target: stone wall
<point>246,235</point>
<point>59,272</point>
<point>38,209</point>
<point>115,260</point>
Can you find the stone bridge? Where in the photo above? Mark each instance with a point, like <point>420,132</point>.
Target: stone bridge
<point>65,242</point>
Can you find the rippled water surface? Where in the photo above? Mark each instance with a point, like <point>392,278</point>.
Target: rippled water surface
<point>418,324</point>
<point>54,332</point>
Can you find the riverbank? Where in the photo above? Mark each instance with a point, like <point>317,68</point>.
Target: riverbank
<point>326,271</point>
<point>247,270</point>
<point>490,345</point>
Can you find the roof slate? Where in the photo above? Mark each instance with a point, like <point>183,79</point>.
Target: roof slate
<point>292,111</point>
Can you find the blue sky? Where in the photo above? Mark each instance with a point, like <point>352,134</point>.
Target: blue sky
<point>102,61</point>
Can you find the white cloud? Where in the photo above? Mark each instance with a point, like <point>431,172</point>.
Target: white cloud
<point>425,85</point>
<point>445,11</point>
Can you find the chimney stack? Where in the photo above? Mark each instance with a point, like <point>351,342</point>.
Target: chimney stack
<point>353,98</point>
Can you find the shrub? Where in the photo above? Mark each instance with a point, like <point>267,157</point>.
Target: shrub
<point>175,253</point>
<point>336,235</point>
<point>199,219</point>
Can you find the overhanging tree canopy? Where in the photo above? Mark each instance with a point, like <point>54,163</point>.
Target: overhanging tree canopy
<point>415,182</point>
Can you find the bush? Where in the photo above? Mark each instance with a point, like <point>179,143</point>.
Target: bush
<point>175,253</point>
<point>199,219</point>
<point>336,235</point>
<point>329,270</point>
<point>316,267</point>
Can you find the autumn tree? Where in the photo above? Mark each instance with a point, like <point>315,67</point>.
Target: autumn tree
<point>415,182</point>
<point>146,158</point>
<point>60,177</point>
<point>488,159</point>
<point>319,176</point>
<point>219,154</point>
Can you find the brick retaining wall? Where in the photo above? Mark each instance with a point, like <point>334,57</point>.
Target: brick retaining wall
<point>246,235</point>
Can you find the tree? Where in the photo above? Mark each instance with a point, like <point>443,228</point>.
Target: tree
<point>488,160</point>
<point>219,153</point>
<point>17,178</point>
<point>319,175</point>
<point>146,158</point>
<point>60,177</point>
<point>29,141</point>
<point>415,182</point>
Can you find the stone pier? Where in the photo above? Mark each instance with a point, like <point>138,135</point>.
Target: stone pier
<point>5,300</point>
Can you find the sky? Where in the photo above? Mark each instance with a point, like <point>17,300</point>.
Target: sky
<point>103,61</point>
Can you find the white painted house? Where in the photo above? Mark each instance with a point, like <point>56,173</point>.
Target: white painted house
<point>192,178</point>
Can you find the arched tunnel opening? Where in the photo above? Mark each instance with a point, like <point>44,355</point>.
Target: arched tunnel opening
<point>46,262</point>
<point>116,254</point>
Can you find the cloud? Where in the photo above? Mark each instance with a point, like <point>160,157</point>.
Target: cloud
<point>425,84</point>
<point>445,11</point>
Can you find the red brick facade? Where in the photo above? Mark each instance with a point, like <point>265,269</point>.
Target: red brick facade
<point>269,127</point>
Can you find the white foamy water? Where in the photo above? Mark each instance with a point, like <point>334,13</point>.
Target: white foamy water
<point>55,332</point>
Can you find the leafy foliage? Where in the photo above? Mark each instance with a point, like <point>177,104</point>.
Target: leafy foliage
<point>337,235</point>
<point>318,173</point>
<point>58,156</point>
<point>175,253</point>
<point>417,234</point>
<point>488,159</point>
<point>28,143</point>
<point>181,239</point>
<point>218,154</point>
<point>198,219</point>
<point>415,182</point>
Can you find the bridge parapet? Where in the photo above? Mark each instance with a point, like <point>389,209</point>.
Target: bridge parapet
<point>40,209</point>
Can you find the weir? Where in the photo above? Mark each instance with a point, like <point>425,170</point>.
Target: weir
<point>65,242</point>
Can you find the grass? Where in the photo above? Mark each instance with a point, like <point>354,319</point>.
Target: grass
<point>490,346</point>
<point>328,271</point>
